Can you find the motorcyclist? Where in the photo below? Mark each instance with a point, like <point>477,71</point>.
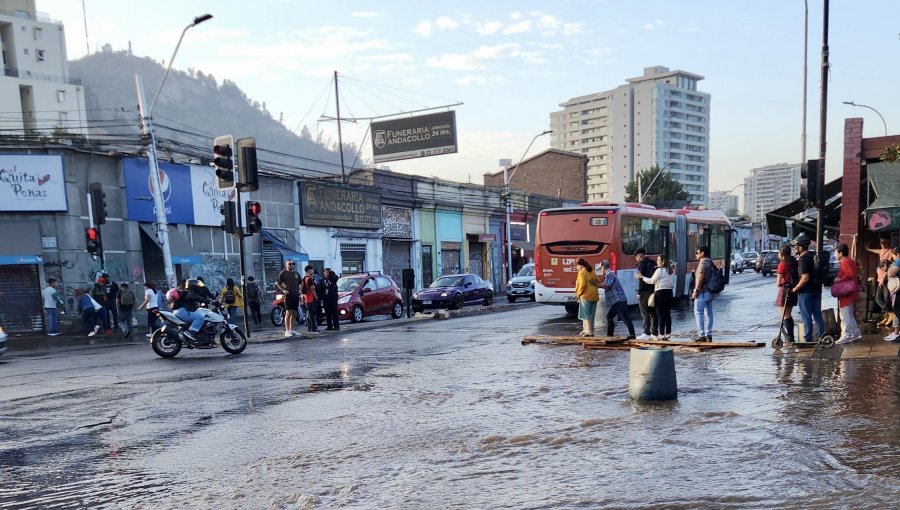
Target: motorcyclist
<point>187,303</point>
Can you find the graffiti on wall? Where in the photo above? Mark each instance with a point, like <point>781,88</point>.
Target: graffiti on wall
<point>215,269</point>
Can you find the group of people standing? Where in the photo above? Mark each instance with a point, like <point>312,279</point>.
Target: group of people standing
<point>308,296</point>
<point>888,287</point>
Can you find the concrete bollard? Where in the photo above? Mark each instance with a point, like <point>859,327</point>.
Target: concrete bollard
<point>652,374</point>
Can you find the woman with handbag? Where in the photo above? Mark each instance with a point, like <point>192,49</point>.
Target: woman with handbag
<point>663,282</point>
<point>587,294</point>
<point>846,289</point>
<point>786,276</point>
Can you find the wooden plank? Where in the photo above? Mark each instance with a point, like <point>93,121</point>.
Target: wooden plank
<point>856,350</point>
<point>570,339</point>
<point>882,349</point>
<point>705,345</point>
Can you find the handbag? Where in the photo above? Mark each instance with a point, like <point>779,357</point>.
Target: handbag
<point>893,284</point>
<point>652,301</point>
<point>846,288</point>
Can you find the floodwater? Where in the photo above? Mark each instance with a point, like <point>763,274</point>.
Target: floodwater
<point>458,414</point>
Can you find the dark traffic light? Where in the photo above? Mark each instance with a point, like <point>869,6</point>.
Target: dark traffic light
<point>248,176</point>
<point>98,203</point>
<point>810,174</point>
<point>92,240</point>
<point>223,162</point>
<point>254,223</point>
<point>229,222</point>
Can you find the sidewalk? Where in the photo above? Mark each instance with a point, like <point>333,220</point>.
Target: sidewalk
<point>29,344</point>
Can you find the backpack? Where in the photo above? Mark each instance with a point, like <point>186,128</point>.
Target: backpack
<point>229,296</point>
<point>126,298</point>
<point>252,292</point>
<point>303,288</point>
<point>716,283</point>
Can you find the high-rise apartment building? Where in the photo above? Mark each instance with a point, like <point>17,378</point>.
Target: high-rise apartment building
<point>769,188</point>
<point>722,201</point>
<point>36,93</point>
<point>656,119</point>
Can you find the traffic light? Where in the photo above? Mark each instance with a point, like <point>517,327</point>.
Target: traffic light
<point>98,202</point>
<point>254,223</point>
<point>223,162</point>
<point>92,240</point>
<point>228,210</point>
<point>809,186</point>
<point>248,177</point>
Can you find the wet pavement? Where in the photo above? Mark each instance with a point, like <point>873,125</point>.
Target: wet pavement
<point>451,414</point>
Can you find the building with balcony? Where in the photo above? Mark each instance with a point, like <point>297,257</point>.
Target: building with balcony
<point>722,201</point>
<point>36,93</point>
<point>659,118</point>
<point>769,188</point>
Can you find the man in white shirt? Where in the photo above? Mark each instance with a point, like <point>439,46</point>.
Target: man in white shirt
<point>51,299</point>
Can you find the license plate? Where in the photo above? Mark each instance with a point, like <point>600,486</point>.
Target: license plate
<point>426,302</point>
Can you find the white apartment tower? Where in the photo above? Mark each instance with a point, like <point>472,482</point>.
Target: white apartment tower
<point>656,119</point>
<point>722,201</point>
<point>769,188</point>
<point>36,93</point>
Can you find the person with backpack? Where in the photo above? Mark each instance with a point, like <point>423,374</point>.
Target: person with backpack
<point>253,300</point>
<point>310,298</point>
<point>332,320</point>
<point>786,277</point>
<point>702,294</point>
<point>125,304</point>
<point>112,298</point>
<point>808,289</point>
<point>645,269</point>
<point>232,298</point>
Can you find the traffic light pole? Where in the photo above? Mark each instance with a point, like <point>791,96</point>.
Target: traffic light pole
<point>240,236</point>
<point>162,225</point>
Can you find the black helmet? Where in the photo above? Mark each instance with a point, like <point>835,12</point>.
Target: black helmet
<point>191,283</point>
<point>801,240</point>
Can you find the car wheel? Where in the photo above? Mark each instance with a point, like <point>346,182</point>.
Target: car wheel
<point>511,299</point>
<point>489,300</point>
<point>397,311</point>
<point>356,314</point>
<point>457,302</point>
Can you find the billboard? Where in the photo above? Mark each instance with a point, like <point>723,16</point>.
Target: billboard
<point>414,137</point>
<point>337,206</point>
<point>189,193</point>
<point>32,183</point>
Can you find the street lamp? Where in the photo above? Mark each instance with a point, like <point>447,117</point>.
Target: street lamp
<point>725,196</point>
<point>162,225</point>
<point>644,194</point>
<point>851,103</point>
<point>509,202</point>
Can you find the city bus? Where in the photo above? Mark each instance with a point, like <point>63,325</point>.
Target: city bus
<point>606,230</point>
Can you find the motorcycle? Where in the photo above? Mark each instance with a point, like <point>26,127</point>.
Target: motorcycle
<point>168,340</point>
<point>277,314</point>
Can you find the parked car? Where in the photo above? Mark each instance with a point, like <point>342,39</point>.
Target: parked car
<point>750,259</point>
<point>833,266</point>
<point>759,260</point>
<point>770,263</point>
<point>454,291</point>
<point>362,295</point>
<point>521,285</point>
<point>737,263</point>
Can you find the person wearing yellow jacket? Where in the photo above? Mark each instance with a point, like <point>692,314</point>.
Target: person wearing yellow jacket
<point>586,292</point>
<point>232,298</point>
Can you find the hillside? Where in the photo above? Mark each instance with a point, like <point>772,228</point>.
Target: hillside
<point>192,110</point>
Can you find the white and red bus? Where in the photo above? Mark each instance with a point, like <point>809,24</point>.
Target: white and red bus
<point>606,230</point>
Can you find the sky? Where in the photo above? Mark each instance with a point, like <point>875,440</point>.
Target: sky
<point>511,63</point>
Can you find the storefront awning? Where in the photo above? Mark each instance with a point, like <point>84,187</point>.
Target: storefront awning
<point>523,245</point>
<point>777,219</point>
<point>884,213</point>
<point>21,244</point>
<point>357,234</point>
<point>182,251</point>
<point>286,251</point>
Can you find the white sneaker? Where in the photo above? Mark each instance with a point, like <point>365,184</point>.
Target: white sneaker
<point>891,337</point>
<point>288,334</point>
<point>148,335</point>
<point>655,338</point>
<point>92,333</point>
<point>52,334</point>
<point>845,340</point>
<point>645,336</point>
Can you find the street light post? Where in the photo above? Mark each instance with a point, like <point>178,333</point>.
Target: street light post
<point>644,194</point>
<point>509,203</point>
<point>851,103</point>
<point>162,225</point>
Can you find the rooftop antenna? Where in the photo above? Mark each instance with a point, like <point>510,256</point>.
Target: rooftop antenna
<point>87,45</point>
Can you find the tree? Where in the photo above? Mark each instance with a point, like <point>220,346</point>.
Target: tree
<point>666,192</point>
<point>732,213</point>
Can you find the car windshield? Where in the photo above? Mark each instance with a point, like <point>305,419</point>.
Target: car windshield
<point>526,271</point>
<point>345,284</point>
<point>750,255</point>
<point>447,281</point>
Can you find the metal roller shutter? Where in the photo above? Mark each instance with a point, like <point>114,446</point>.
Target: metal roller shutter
<point>20,295</point>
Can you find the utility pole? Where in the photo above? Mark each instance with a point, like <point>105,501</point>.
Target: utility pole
<point>823,116</point>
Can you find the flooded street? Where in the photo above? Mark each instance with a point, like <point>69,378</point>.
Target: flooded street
<point>452,414</point>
